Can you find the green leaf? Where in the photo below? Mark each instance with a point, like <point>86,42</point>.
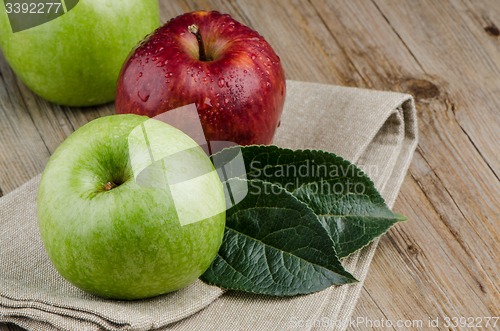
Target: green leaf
<point>343,197</point>
<point>274,244</point>
<point>352,220</point>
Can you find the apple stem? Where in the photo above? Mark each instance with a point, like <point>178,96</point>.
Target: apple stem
<point>110,186</point>
<point>194,29</point>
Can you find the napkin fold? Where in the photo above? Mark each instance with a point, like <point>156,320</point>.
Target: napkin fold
<point>376,130</point>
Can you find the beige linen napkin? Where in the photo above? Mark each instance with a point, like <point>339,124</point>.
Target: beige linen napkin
<point>376,130</point>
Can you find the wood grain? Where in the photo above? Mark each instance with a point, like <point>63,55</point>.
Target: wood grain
<point>444,262</point>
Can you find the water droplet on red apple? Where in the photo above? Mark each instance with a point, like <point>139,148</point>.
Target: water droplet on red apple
<point>253,57</point>
<point>226,100</point>
<point>244,71</point>
<point>204,79</point>
<point>140,74</point>
<point>143,95</point>
<point>221,82</point>
<point>154,58</point>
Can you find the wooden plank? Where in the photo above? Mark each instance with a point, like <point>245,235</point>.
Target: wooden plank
<point>31,128</point>
<point>470,107</point>
<point>308,51</point>
<point>23,153</point>
<point>449,153</point>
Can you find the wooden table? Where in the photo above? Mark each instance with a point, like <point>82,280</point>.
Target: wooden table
<point>445,261</point>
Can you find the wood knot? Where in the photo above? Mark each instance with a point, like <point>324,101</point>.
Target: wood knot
<point>492,30</point>
<point>421,89</point>
<point>481,287</point>
<point>413,249</point>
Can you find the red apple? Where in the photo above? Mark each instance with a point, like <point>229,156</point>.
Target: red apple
<point>227,69</point>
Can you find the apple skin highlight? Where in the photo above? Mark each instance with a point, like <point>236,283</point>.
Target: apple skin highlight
<point>239,91</point>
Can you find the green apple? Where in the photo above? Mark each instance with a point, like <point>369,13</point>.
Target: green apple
<point>115,232</point>
<point>75,59</point>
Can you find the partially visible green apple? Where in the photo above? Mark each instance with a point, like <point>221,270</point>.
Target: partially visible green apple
<point>114,237</point>
<point>75,59</point>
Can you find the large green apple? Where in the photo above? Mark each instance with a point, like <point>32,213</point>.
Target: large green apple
<point>112,231</point>
<point>75,59</point>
